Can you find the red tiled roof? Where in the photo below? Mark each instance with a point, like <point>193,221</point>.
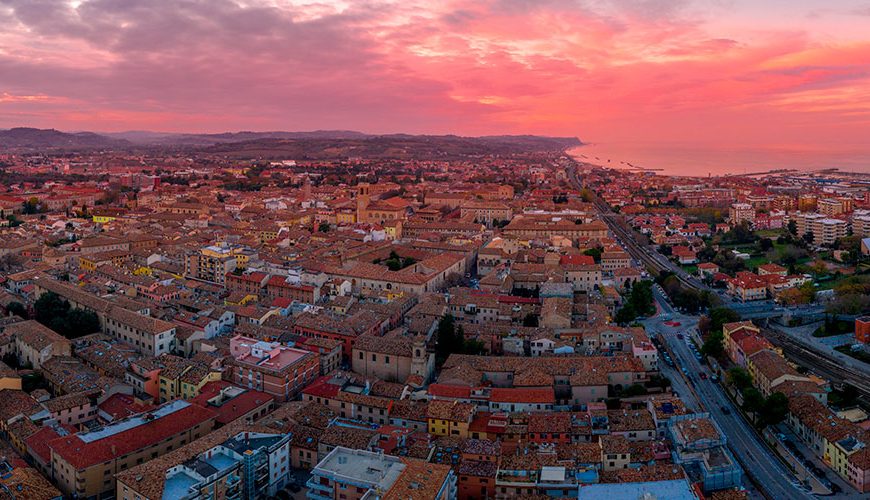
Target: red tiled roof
<point>38,441</point>
<point>581,260</point>
<point>524,395</point>
<point>449,391</point>
<point>82,455</point>
<point>282,302</point>
<point>322,388</point>
<point>122,406</point>
<point>233,408</point>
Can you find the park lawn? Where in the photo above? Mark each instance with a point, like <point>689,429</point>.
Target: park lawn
<point>754,262</point>
<point>691,269</point>
<point>769,233</point>
<point>832,283</point>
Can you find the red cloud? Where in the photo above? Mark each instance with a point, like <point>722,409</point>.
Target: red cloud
<point>620,70</point>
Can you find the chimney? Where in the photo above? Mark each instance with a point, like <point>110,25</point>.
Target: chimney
<point>114,452</point>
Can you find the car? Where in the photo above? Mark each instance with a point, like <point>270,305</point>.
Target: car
<point>680,336</point>
<point>703,376</point>
<point>725,410</point>
<point>293,487</point>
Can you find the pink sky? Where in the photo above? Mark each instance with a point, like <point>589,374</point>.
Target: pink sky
<point>785,73</point>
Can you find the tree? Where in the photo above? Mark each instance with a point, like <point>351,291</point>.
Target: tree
<point>819,268</point>
<point>720,316</point>
<point>633,390</point>
<point>658,381</point>
<point>474,347</point>
<point>595,253</point>
<point>792,228</point>
<point>803,294</point>
<point>79,322</point>
<point>741,233</point>
<point>775,409</point>
<point>17,309</point>
<point>50,307</point>
<point>714,345</point>
<point>446,335</point>
<point>626,314</point>
<point>31,206</point>
<point>753,401</point>
<point>765,244</point>
<point>323,227</point>
<point>739,378</point>
<point>808,237</point>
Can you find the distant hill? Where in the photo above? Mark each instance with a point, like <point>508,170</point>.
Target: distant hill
<point>318,144</point>
<point>398,146</point>
<point>158,138</point>
<point>34,138</point>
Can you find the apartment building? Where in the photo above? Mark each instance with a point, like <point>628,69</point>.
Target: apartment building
<point>825,230</point>
<point>211,263</point>
<point>358,474</point>
<point>698,440</point>
<point>613,260</point>
<point>739,213</point>
<point>485,212</point>
<point>237,462</point>
<point>35,344</point>
<point>84,463</point>
<point>271,367</point>
<point>830,207</point>
<point>861,223</point>
<point>149,335</point>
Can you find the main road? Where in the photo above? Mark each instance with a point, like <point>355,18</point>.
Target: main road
<point>769,474</point>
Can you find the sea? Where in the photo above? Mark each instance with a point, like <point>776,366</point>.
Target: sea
<point>696,161</point>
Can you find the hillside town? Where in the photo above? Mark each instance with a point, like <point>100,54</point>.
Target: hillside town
<point>185,324</point>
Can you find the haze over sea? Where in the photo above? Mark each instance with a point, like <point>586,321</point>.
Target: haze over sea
<point>698,161</point>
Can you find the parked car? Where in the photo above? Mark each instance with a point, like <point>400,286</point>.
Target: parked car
<point>725,410</point>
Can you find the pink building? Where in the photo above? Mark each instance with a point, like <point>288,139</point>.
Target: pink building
<point>271,367</point>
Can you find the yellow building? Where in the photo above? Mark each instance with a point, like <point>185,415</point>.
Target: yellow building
<point>241,300</point>
<point>92,261</point>
<point>449,418</point>
<point>183,379</point>
<point>345,216</point>
<point>393,229</point>
<point>143,271</point>
<point>212,263</point>
<point>102,219</point>
<point>193,381</point>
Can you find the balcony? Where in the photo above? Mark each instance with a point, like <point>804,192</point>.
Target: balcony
<point>315,495</point>
<point>314,484</point>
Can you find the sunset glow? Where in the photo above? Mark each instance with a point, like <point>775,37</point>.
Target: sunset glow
<point>704,72</point>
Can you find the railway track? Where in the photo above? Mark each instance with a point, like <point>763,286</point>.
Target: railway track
<point>626,235</point>
<point>819,363</point>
